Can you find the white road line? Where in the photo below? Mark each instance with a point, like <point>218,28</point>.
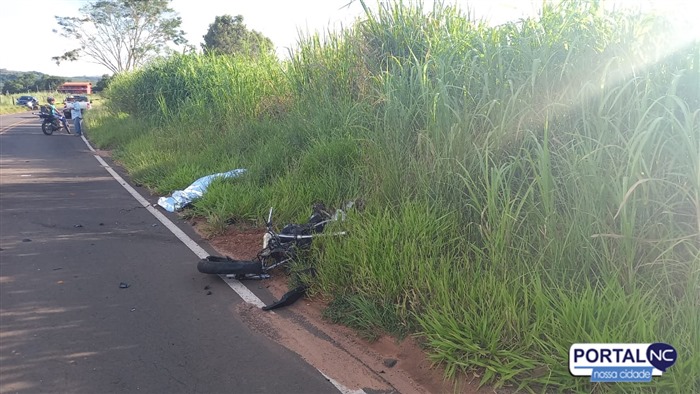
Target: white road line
<point>5,129</point>
<point>340,387</point>
<point>87,143</point>
<point>234,284</point>
<point>198,250</point>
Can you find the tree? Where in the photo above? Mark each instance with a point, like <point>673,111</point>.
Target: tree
<point>24,82</point>
<point>28,82</point>
<point>49,82</point>
<point>103,83</point>
<point>228,35</point>
<point>14,86</point>
<point>121,34</point>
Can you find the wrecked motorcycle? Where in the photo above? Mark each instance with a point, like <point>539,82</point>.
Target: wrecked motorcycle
<point>278,249</point>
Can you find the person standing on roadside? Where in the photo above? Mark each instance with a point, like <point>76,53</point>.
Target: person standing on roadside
<point>76,113</point>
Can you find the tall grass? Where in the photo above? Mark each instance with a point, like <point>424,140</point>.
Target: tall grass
<point>527,186</point>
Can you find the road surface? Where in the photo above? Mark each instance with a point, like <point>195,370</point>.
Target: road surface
<point>70,236</point>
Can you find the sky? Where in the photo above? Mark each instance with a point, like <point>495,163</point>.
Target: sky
<point>28,42</point>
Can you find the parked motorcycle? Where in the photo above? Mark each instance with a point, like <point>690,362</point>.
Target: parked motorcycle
<point>51,123</point>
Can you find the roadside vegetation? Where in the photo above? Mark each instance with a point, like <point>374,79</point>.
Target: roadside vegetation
<point>525,187</point>
<point>8,102</point>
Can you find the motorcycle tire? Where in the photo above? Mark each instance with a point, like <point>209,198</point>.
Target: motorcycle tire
<point>47,128</point>
<point>226,266</point>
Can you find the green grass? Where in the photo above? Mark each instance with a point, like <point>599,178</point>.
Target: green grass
<point>8,101</point>
<point>12,109</point>
<point>526,186</point>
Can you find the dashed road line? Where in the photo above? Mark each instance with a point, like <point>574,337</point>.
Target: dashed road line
<point>5,129</point>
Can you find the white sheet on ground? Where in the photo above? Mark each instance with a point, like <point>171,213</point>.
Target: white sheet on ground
<point>181,198</point>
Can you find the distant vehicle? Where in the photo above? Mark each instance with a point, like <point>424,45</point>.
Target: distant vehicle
<point>84,101</point>
<point>29,101</point>
<point>80,98</point>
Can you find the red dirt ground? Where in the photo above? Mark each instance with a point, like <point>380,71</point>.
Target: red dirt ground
<point>346,357</point>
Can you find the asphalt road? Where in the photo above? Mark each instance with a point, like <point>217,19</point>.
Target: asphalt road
<point>70,234</point>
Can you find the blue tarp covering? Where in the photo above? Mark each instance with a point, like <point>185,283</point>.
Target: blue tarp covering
<point>181,198</point>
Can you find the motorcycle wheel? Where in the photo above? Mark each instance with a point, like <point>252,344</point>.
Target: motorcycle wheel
<point>47,128</point>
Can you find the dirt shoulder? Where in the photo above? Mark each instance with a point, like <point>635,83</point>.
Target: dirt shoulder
<point>385,365</point>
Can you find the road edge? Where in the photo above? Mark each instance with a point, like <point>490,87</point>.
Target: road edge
<point>236,285</point>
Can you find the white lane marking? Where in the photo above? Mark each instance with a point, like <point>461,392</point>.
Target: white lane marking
<point>87,143</point>
<point>234,284</point>
<point>340,387</point>
<point>5,129</point>
<point>198,250</point>
<point>243,291</point>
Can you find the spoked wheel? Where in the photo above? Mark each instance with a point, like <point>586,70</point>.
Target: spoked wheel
<point>274,257</point>
<point>47,128</point>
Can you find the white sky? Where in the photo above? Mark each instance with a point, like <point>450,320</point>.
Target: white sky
<point>28,42</point>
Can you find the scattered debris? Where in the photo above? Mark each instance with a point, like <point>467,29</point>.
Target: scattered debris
<point>288,298</point>
<point>390,362</point>
<point>58,268</point>
<point>208,292</point>
<point>78,225</point>
<point>26,240</point>
<point>123,285</point>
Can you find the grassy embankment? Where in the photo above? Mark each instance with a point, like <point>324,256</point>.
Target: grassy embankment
<point>527,186</point>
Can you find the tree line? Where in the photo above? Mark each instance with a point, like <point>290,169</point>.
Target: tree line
<point>123,35</point>
<point>13,82</point>
<point>20,82</point>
